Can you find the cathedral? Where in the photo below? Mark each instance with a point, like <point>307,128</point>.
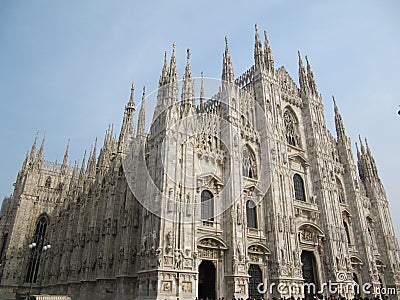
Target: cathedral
<point>241,193</point>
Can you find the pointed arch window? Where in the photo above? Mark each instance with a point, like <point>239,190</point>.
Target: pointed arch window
<point>207,206</point>
<point>251,213</point>
<point>38,239</point>
<point>249,165</point>
<point>299,192</point>
<point>291,130</point>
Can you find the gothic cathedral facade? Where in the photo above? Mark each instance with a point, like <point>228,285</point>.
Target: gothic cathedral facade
<point>221,194</point>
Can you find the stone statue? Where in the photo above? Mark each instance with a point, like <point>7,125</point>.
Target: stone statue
<point>133,255</point>
<point>169,242</point>
<point>239,215</point>
<point>178,259</point>
<point>240,251</point>
<point>159,256</point>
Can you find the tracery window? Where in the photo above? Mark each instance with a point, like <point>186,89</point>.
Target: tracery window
<point>251,213</point>
<point>249,165</point>
<point>38,239</point>
<point>299,192</point>
<point>290,122</point>
<point>207,206</point>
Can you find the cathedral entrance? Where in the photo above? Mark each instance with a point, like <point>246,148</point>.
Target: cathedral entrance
<point>309,273</point>
<point>206,280</point>
<point>255,279</point>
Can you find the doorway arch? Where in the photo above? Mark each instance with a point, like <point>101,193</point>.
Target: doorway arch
<point>310,273</point>
<point>206,280</point>
<point>255,274</point>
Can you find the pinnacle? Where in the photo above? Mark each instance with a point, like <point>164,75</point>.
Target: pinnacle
<point>335,105</point>
<point>144,92</point>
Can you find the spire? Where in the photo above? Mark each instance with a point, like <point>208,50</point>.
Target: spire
<point>188,86</point>
<point>75,170</point>
<point>202,93</point>
<point>173,74</point>
<point>127,125</point>
<point>94,150</point>
<point>360,163</point>
<point>368,149</point>
<point>131,103</point>
<point>65,160</point>
<point>26,160</point>
<point>82,170</point>
<point>40,154</point>
<point>172,89</point>
<point>91,170</point>
<point>358,152</point>
<point>89,162</point>
<point>258,51</point>
<point>164,73</point>
<point>302,75</point>
<point>362,146</point>
<point>162,92</point>
<point>227,68</point>
<point>268,57</point>
<point>74,177</point>
<point>340,131</point>
<point>142,116</point>
<point>33,149</point>
<point>107,138</point>
<point>372,160</point>
<point>105,151</point>
<point>311,79</point>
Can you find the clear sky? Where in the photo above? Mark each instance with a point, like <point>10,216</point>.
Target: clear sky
<point>66,66</point>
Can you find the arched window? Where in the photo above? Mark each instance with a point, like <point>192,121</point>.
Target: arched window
<point>346,228</point>
<point>249,165</point>
<point>251,213</point>
<point>290,122</point>
<point>48,182</point>
<point>299,192</point>
<point>207,206</point>
<point>38,239</point>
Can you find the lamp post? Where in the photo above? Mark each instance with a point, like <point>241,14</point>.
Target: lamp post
<point>36,255</point>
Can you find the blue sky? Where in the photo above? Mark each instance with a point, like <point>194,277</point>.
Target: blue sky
<point>67,66</point>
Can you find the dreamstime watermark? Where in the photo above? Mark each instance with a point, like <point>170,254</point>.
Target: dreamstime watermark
<point>194,145</point>
<point>330,288</point>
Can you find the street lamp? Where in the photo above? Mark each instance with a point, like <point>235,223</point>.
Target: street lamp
<point>36,251</point>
